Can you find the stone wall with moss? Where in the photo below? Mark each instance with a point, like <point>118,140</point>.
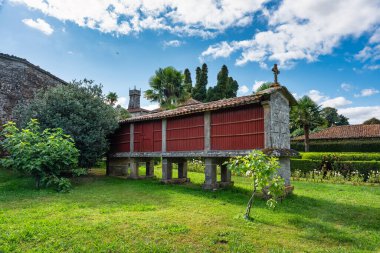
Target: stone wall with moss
<point>19,82</point>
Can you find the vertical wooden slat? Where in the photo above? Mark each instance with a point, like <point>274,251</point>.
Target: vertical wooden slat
<point>237,128</point>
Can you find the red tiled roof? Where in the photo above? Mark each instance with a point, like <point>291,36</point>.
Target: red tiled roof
<point>190,101</point>
<point>138,110</point>
<point>345,132</point>
<point>215,105</point>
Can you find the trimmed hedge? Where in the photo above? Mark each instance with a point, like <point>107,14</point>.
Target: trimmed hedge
<point>342,156</point>
<point>339,146</point>
<point>307,165</point>
<point>304,165</point>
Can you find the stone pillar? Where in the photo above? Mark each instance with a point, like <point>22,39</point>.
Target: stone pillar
<point>210,174</point>
<point>118,166</point>
<point>207,130</point>
<point>131,137</point>
<point>182,169</point>
<point>163,136</point>
<point>134,168</point>
<point>149,168</point>
<point>284,171</point>
<point>225,176</point>
<point>167,170</point>
<point>267,125</point>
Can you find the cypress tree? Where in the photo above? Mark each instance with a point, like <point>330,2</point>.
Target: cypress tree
<point>187,82</point>
<point>232,88</point>
<point>226,86</point>
<point>199,90</point>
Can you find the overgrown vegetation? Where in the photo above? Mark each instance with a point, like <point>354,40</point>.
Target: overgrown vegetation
<point>262,169</point>
<point>44,155</point>
<point>78,108</point>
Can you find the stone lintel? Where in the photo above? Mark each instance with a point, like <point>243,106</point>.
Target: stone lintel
<point>204,154</point>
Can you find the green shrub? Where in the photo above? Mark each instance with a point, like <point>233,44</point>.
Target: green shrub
<point>79,109</point>
<point>43,155</point>
<point>350,156</point>
<point>363,167</point>
<point>339,146</point>
<point>304,165</point>
<point>343,167</point>
<point>196,165</point>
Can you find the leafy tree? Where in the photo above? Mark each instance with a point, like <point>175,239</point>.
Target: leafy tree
<point>122,113</point>
<point>188,83</point>
<point>262,169</point>
<point>371,121</point>
<point>43,155</point>
<point>305,114</point>
<point>111,98</point>
<point>199,91</point>
<point>167,88</point>
<point>264,86</point>
<point>79,109</point>
<point>333,118</point>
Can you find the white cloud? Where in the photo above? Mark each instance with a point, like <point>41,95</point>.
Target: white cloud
<point>173,43</point>
<point>122,101</point>
<point>375,38</point>
<point>346,86</point>
<point>325,101</point>
<point>369,53</point>
<point>367,93</point>
<point>337,102</point>
<point>195,18</point>
<point>317,96</point>
<point>151,107</point>
<point>257,84</point>
<point>358,115</point>
<point>243,89</point>
<point>373,67</point>
<point>303,30</point>
<point>40,25</point>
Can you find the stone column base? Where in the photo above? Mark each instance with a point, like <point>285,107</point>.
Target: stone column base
<point>226,184</point>
<point>175,180</point>
<point>213,186</point>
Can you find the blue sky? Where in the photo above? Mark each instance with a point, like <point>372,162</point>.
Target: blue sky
<point>329,50</point>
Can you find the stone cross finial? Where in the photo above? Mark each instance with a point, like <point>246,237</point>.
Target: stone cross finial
<point>276,72</point>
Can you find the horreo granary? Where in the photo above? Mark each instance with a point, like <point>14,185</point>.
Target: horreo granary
<point>213,131</point>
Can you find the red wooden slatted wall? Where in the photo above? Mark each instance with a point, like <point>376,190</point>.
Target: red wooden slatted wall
<point>185,133</point>
<point>147,136</point>
<point>120,140</point>
<point>237,128</point>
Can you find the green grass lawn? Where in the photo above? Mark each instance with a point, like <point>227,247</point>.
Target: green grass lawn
<point>105,214</point>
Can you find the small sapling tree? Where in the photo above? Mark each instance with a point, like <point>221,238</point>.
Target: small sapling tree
<point>262,169</point>
<point>42,154</point>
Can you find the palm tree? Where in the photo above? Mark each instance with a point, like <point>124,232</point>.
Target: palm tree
<point>111,98</point>
<point>167,88</point>
<point>264,86</point>
<point>306,114</point>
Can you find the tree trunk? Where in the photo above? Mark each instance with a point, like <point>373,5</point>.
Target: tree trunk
<point>38,182</point>
<point>250,203</point>
<point>307,142</point>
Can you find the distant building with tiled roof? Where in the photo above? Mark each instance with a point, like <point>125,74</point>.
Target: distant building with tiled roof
<point>345,132</point>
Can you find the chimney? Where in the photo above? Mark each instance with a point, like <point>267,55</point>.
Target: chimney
<point>134,99</point>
